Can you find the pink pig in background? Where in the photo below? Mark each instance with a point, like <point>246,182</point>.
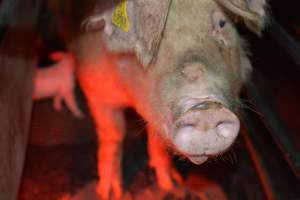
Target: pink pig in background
<point>57,82</point>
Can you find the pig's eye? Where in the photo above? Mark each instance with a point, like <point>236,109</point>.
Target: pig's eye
<point>219,20</point>
<point>220,28</point>
<point>222,23</point>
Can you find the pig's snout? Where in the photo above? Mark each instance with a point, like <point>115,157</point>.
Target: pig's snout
<point>204,130</point>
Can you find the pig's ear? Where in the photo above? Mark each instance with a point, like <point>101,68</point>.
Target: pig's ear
<point>151,16</point>
<point>252,12</point>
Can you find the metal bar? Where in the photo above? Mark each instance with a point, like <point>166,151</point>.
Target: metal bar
<point>17,64</point>
<point>257,160</point>
<point>285,40</point>
<point>277,130</point>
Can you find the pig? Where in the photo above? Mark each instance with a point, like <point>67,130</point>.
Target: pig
<point>180,64</point>
<point>57,82</point>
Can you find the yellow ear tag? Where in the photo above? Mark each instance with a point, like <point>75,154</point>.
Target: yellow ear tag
<point>119,16</point>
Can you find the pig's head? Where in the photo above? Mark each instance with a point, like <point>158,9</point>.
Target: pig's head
<point>196,77</point>
<point>195,64</point>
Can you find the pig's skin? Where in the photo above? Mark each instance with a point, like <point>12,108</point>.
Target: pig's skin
<point>114,75</point>
<point>186,93</point>
<point>57,82</point>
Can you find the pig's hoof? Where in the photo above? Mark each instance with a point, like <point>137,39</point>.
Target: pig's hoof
<point>69,99</point>
<point>167,177</point>
<point>65,197</point>
<point>70,103</point>
<point>109,188</point>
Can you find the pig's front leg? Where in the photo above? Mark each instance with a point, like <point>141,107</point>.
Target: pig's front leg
<point>160,161</point>
<point>57,82</point>
<point>110,127</point>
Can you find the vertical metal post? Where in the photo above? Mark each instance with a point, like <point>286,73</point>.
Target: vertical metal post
<point>17,62</point>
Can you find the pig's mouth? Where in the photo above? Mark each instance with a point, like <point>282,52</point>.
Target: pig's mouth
<point>199,159</point>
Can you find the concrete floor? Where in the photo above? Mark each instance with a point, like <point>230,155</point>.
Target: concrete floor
<point>61,164</point>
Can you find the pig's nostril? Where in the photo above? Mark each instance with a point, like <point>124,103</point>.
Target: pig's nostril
<point>206,105</point>
<point>182,124</point>
<point>227,129</point>
<point>201,106</point>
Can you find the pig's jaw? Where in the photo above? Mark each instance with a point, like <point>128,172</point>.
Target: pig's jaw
<point>198,160</point>
<point>203,128</point>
